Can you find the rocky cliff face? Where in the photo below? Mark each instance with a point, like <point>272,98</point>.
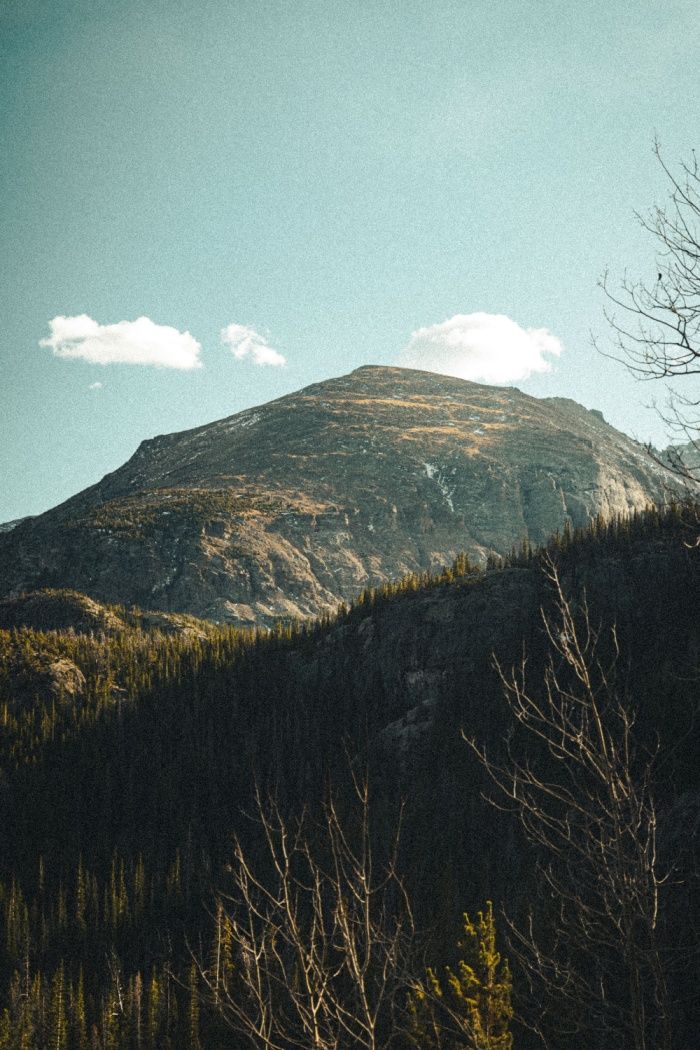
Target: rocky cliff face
<point>287,509</point>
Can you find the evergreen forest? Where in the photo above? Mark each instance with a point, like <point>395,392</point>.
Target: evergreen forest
<point>462,813</point>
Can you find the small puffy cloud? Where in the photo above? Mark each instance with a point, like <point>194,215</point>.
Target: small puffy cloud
<point>486,348</point>
<point>246,342</point>
<point>96,386</point>
<point>140,342</point>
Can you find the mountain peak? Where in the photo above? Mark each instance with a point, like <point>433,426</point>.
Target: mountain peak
<point>285,509</point>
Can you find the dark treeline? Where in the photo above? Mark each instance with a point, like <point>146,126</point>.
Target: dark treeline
<point>128,760</point>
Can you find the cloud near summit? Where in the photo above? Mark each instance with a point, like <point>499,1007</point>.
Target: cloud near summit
<point>244,342</point>
<point>139,342</point>
<point>486,348</point>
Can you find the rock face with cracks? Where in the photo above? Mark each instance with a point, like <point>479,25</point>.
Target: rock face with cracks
<point>287,509</point>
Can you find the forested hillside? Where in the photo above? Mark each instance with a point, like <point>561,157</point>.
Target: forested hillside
<point>132,748</point>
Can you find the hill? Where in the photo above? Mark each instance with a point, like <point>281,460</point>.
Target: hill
<point>124,781</point>
<point>66,610</point>
<point>286,510</point>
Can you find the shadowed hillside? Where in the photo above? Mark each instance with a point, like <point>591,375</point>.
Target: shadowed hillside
<point>130,758</point>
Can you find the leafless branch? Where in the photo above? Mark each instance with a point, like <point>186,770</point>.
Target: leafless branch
<point>656,323</point>
<point>588,805</point>
<point>318,946</point>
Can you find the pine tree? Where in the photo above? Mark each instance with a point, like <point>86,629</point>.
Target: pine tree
<point>80,896</point>
<point>79,1036</point>
<point>473,1002</point>
<point>154,1010</point>
<point>193,1010</point>
<point>58,1024</point>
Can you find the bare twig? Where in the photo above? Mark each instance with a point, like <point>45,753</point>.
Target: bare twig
<point>590,809</point>
<point>318,947</point>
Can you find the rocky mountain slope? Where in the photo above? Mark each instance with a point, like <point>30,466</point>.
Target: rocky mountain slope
<point>684,458</point>
<point>287,509</point>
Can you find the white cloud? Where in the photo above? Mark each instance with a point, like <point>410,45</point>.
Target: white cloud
<point>96,386</point>
<point>487,348</point>
<point>140,342</point>
<point>246,342</point>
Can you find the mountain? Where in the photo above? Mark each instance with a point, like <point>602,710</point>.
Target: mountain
<point>290,508</point>
<point>684,457</point>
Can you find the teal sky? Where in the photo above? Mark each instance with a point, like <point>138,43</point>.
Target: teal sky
<point>334,175</point>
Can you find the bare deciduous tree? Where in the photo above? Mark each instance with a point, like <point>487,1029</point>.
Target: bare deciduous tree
<point>656,323</point>
<point>584,796</point>
<point>313,952</point>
